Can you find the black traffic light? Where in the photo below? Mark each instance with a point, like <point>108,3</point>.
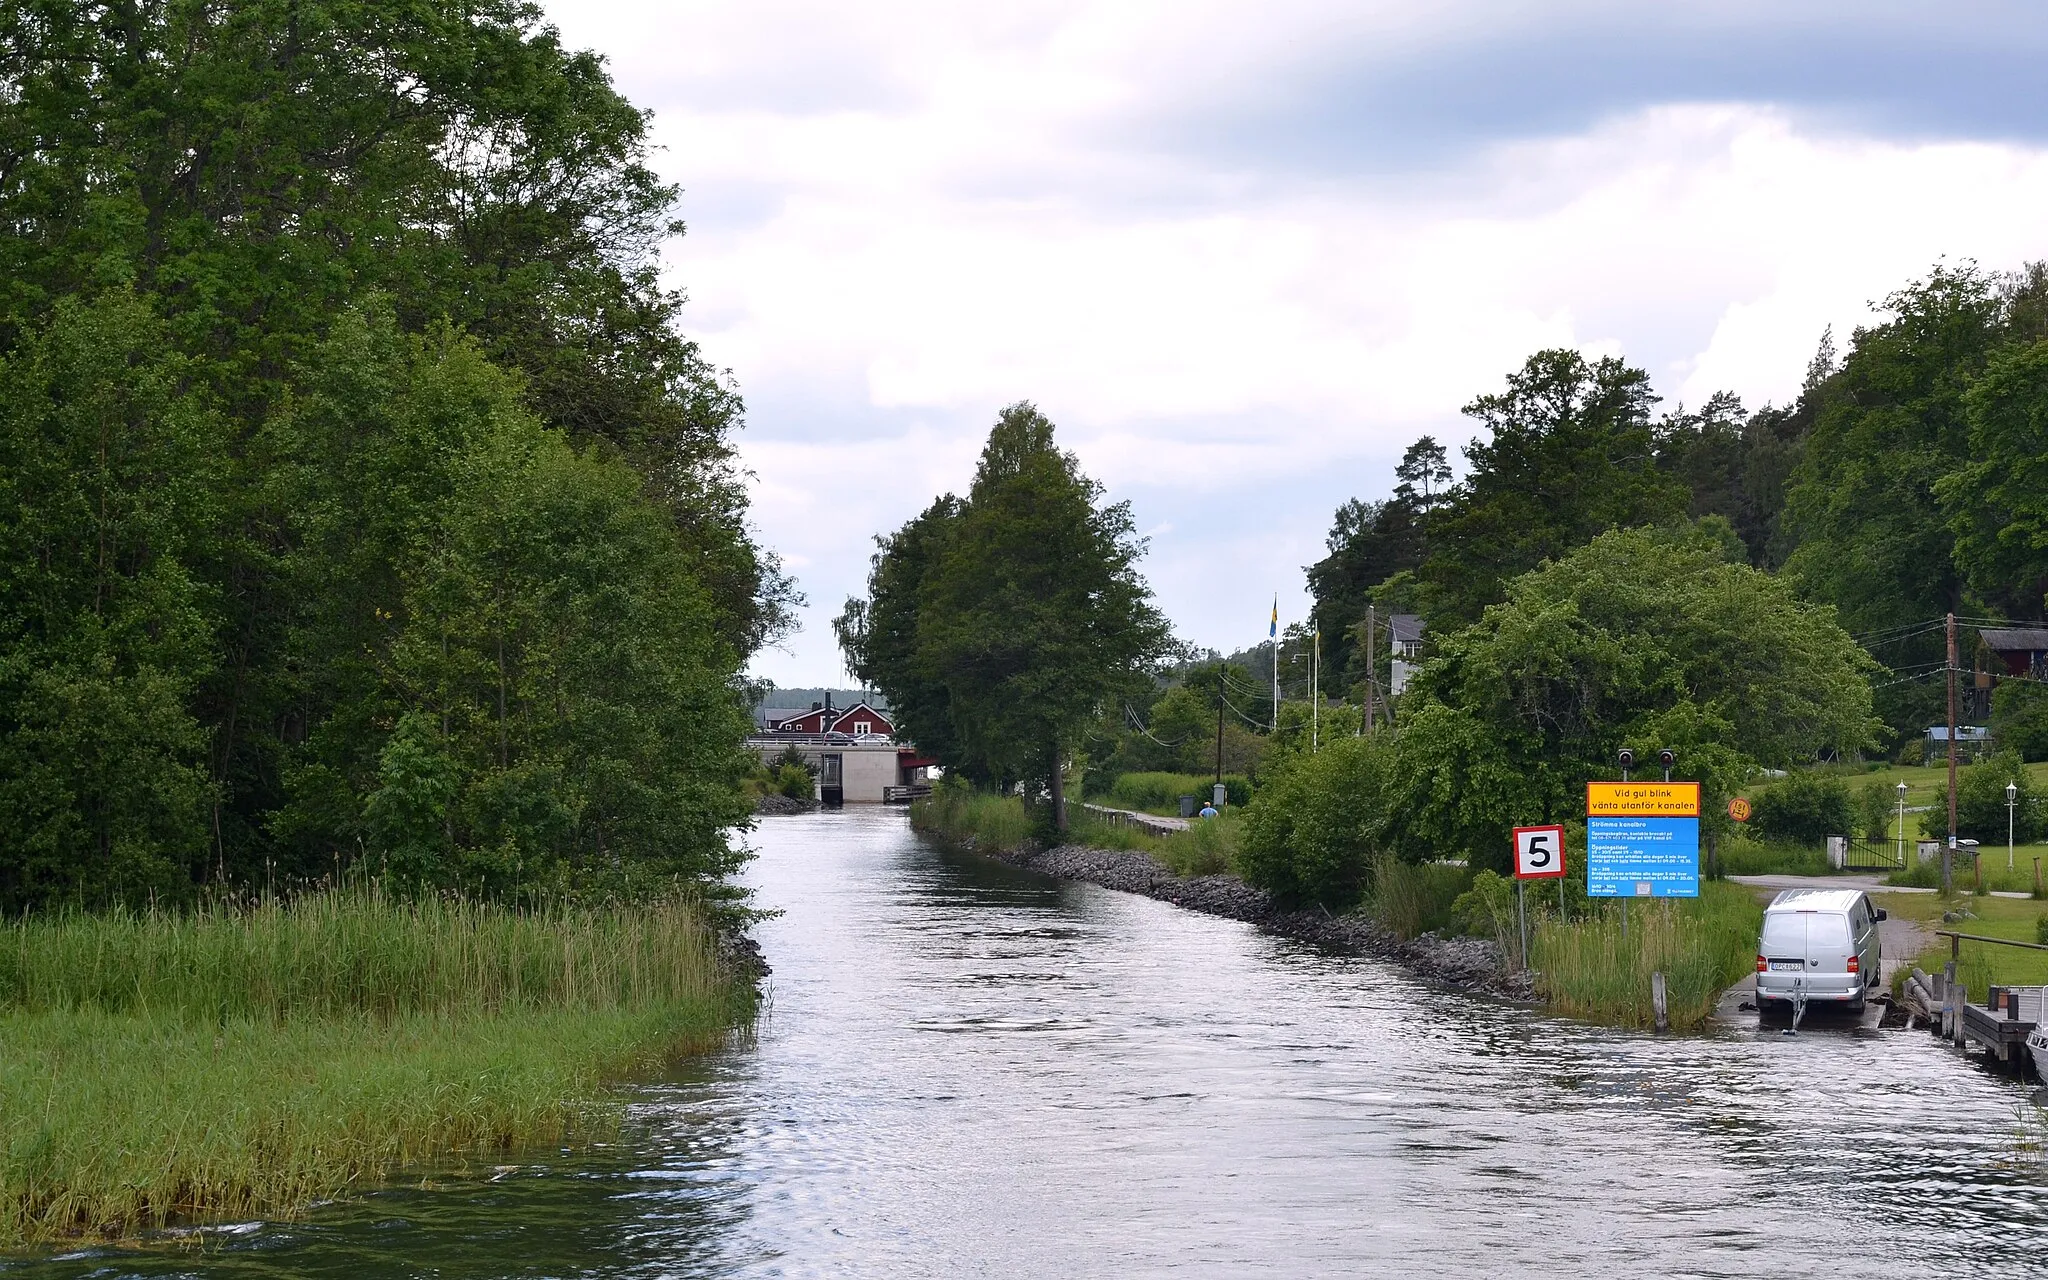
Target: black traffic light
<point>1628,759</point>
<point>1667,757</point>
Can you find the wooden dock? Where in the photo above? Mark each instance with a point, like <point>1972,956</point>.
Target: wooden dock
<point>2003,1022</point>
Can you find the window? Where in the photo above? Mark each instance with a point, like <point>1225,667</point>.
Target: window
<point>863,726</point>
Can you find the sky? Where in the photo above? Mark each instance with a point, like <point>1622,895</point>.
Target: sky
<point>1242,255</point>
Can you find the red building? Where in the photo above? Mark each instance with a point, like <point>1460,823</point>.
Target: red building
<point>858,720</point>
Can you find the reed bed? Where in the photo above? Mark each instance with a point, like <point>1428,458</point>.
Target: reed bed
<point>956,812</point>
<point>1589,970</point>
<point>158,1068</point>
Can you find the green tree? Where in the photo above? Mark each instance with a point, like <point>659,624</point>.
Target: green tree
<point>1997,497</point>
<point>110,466</point>
<point>1644,638</point>
<point>878,635</point>
<point>261,178</point>
<point>2019,718</point>
<point>1568,454</point>
<point>1033,616</point>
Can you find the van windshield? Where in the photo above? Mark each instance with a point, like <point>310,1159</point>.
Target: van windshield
<point>1785,933</point>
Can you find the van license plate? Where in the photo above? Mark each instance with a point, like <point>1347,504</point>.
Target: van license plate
<point>1780,966</point>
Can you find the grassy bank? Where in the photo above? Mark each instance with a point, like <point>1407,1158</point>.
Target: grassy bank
<point>1981,964</point>
<point>1589,970</point>
<point>994,822</point>
<point>239,1062</point>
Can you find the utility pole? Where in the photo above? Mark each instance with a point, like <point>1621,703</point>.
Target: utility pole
<point>1372,672</point>
<point>1948,853</point>
<point>1315,695</point>
<point>1219,725</point>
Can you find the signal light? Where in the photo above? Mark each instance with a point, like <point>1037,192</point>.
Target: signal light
<point>1855,964</point>
<point>1761,964</point>
<point>1667,757</point>
<point>1627,758</point>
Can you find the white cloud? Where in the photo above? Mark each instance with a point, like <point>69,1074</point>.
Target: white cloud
<point>905,217</point>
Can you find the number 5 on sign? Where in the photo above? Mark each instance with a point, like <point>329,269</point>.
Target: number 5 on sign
<point>1539,852</point>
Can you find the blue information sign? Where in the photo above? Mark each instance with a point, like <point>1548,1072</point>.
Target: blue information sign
<point>1643,857</point>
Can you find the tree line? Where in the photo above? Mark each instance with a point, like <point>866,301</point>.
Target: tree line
<point>363,503</point>
<point>1904,482</point>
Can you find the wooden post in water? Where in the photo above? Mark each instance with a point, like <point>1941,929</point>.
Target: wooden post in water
<point>1522,915</point>
<point>1657,1001</point>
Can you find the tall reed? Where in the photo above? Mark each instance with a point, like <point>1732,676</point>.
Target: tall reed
<point>158,1068</point>
<point>1588,969</point>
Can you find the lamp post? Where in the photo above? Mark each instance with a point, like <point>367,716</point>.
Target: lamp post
<point>2012,796</point>
<point>1902,824</point>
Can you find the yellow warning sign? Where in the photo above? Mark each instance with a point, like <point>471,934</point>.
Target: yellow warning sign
<point>1642,799</point>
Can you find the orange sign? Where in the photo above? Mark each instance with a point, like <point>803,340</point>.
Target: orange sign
<point>1642,799</point>
<point>1738,809</point>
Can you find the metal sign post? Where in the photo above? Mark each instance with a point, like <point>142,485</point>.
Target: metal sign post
<point>1539,855</point>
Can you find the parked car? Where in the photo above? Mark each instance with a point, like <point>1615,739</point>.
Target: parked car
<point>1819,943</point>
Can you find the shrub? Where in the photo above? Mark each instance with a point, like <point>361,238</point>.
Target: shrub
<point>1874,811</point>
<point>1805,808</point>
<point>1311,832</point>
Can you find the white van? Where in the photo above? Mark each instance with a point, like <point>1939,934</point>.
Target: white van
<point>1821,944</point>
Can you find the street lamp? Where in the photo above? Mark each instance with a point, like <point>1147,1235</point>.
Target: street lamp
<point>1902,824</point>
<point>2012,796</point>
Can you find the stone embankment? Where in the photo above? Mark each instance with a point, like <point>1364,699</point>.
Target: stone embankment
<point>1473,964</point>
<point>773,803</point>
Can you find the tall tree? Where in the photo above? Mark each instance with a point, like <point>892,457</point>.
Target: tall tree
<point>1568,454</point>
<point>256,175</point>
<point>1997,502</point>
<point>1032,615</point>
<point>878,634</point>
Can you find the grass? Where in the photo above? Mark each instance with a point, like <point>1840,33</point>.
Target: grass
<point>161,1068</point>
<point>1207,847</point>
<point>960,813</point>
<point>1161,792</point>
<point>1743,857</point>
<point>1410,899</point>
<point>1587,969</point>
<point>1981,963</point>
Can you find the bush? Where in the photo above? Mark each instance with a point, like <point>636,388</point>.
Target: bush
<point>1805,808</point>
<point>1913,752</point>
<point>1590,970</point>
<point>1311,833</point>
<point>1874,812</point>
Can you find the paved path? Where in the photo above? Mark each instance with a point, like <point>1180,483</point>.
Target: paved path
<point>1151,821</point>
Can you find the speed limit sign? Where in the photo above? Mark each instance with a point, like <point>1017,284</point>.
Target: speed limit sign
<point>1539,852</point>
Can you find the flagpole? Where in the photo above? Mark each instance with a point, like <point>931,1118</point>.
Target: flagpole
<point>1273,634</point>
<point>1315,696</point>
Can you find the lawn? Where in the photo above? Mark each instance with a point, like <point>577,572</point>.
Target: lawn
<point>1982,963</point>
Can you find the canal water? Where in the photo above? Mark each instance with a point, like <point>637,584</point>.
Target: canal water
<point>966,1070</point>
